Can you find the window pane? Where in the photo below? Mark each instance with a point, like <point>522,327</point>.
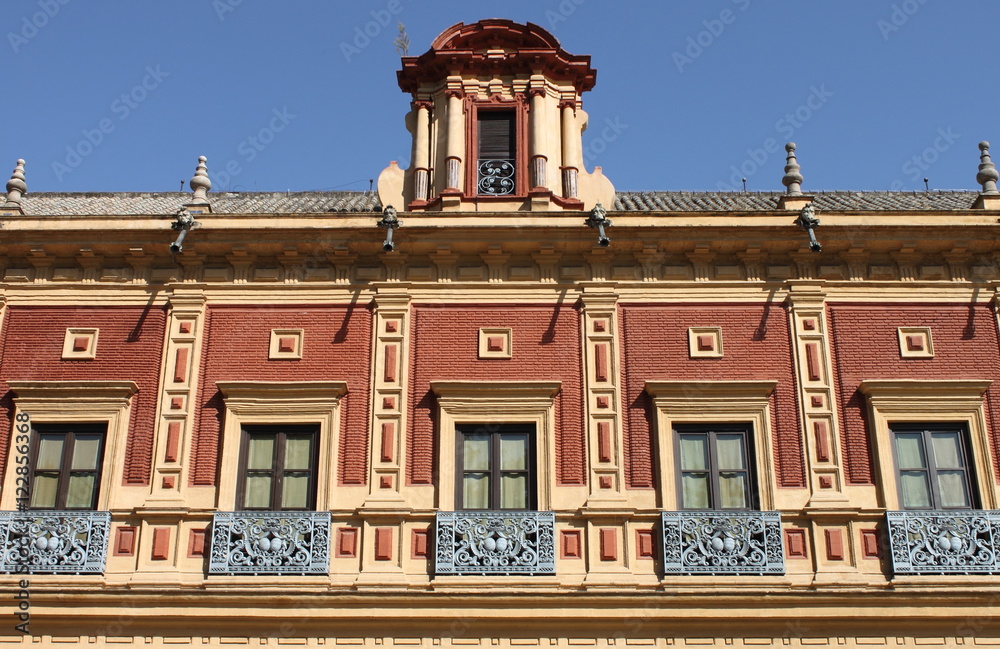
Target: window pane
<point>261,452</point>
<point>295,492</point>
<point>258,494</point>
<point>86,450</point>
<point>514,491</point>
<point>476,491</point>
<point>81,491</point>
<point>916,491</point>
<point>44,490</point>
<point>910,451</point>
<point>694,488</point>
<point>947,450</point>
<point>477,452</point>
<point>513,452</point>
<point>50,448</point>
<point>730,452</point>
<point>694,452</point>
<point>733,491</point>
<point>298,452</point>
<point>952,488</point>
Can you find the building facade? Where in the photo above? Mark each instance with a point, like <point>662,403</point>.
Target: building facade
<point>499,404</point>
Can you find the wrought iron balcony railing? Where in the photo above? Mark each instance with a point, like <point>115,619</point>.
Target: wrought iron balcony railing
<point>944,542</point>
<point>54,542</point>
<point>496,177</point>
<point>270,543</point>
<point>722,542</point>
<point>495,543</point>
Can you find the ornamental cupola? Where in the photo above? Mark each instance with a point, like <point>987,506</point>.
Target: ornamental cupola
<point>497,125</point>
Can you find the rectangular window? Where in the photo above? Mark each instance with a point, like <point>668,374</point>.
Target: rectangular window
<point>496,467</point>
<point>278,468</point>
<point>933,467</point>
<point>715,467</point>
<point>496,135</point>
<point>66,466</point>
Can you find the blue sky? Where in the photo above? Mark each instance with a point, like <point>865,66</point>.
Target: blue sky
<point>301,95</point>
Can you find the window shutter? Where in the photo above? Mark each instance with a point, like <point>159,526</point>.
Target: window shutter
<point>496,135</point>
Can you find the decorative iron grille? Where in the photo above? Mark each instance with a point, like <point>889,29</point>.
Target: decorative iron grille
<point>270,543</point>
<point>944,542</point>
<point>54,542</point>
<point>495,543</point>
<point>722,542</point>
<point>496,177</point>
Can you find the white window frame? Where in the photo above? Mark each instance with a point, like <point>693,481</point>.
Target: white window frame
<point>714,402</point>
<point>76,402</point>
<point>275,403</point>
<point>914,401</point>
<point>499,402</point>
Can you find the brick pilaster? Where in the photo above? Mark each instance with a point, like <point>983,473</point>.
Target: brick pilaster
<point>605,461</point>
<point>175,405</point>
<point>388,407</point>
<point>814,376</point>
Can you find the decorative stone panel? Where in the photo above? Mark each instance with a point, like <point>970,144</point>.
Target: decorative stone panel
<point>80,344</point>
<point>286,344</point>
<point>705,342</point>
<point>915,342</point>
<point>495,343</point>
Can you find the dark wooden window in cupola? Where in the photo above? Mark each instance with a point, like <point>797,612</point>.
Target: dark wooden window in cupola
<point>497,153</point>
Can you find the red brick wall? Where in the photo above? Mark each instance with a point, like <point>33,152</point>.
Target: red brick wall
<point>757,346</point>
<point>866,346</point>
<point>336,347</point>
<point>129,348</point>
<point>546,346</point>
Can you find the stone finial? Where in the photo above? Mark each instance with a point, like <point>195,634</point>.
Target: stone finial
<point>16,187</point>
<point>792,179</point>
<point>987,176</point>
<point>200,183</point>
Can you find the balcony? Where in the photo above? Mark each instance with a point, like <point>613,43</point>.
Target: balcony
<point>495,543</point>
<point>52,542</point>
<point>722,543</point>
<point>944,542</point>
<point>270,543</point>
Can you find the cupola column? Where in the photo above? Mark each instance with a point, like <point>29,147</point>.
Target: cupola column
<point>421,156</point>
<point>536,130</point>
<point>456,137</point>
<point>570,152</point>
